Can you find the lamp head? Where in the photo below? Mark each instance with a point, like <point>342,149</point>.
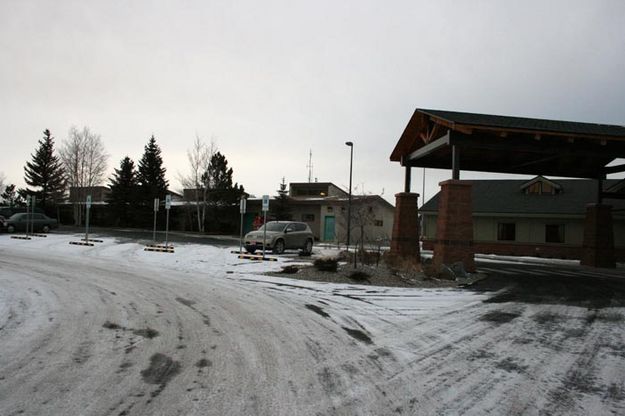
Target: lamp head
<point>350,144</point>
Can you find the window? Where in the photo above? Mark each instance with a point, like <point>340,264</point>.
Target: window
<point>308,217</point>
<point>542,187</point>
<point>379,223</point>
<point>535,188</point>
<point>506,231</point>
<point>311,192</point>
<point>330,209</point>
<point>554,233</point>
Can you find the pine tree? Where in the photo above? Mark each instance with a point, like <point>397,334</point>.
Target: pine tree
<point>46,173</point>
<point>223,195</point>
<point>221,189</point>
<point>10,196</point>
<point>151,174</point>
<point>123,186</point>
<point>282,210</point>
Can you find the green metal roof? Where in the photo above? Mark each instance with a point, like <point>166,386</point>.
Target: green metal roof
<point>502,196</point>
<point>522,123</point>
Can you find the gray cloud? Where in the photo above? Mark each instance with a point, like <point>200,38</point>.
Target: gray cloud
<point>271,80</point>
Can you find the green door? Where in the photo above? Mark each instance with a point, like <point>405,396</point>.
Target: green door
<point>328,229</point>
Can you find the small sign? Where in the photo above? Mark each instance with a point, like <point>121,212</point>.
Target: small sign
<point>155,204</point>
<point>167,201</point>
<point>265,203</point>
<point>243,205</point>
<point>88,201</point>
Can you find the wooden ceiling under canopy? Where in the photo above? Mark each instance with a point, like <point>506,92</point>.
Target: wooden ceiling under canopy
<point>501,144</point>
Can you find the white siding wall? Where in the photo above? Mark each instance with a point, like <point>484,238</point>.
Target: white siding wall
<point>528,230</point>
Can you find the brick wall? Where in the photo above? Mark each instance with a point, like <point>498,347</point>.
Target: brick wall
<point>405,238</point>
<point>598,248</point>
<point>454,225</point>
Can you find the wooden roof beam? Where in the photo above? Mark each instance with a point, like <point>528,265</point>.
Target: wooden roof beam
<point>428,149</point>
<point>614,169</point>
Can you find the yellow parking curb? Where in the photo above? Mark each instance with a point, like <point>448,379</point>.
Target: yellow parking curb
<point>256,257</point>
<point>81,243</point>
<point>160,249</point>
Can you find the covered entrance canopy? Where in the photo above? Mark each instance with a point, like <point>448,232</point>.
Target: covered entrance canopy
<point>500,144</point>
<point>491,143</point>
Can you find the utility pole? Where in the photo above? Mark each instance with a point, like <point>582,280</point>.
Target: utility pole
<point>349,202</point>
<point>310,166</point>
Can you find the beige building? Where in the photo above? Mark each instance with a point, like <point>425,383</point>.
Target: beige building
<point>540,217</point>
<point>324,206</point>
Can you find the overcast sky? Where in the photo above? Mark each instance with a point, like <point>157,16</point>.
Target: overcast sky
<point>271,80</point>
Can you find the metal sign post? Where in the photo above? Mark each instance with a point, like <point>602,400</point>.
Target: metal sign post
<point>155,211</point>
<point>32,214</point>
<point>242,207</point>
<point>87,219</point>
<point>265,209</point>
<point>167,207</point>
<point>28,202</point>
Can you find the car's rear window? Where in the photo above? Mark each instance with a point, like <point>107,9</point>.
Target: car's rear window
<point>273,226</point>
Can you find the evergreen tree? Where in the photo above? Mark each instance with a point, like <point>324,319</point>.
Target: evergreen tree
<point>221,189</point>
<point>11,197</point>
<point>123,186</point>
<point>45,172</point>
<point>151,174</point>
<point>282,210</point>
<point>223,194</point>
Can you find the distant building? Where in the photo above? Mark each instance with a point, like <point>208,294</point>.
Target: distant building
<point>78,194</point>
<point>539,217</point>
<point>100,194</point>
<point>323,206</point>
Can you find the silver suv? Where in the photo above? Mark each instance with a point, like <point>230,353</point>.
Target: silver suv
<point>281,235</point>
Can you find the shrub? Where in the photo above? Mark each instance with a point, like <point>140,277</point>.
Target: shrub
<point>402,264</point>
<point>359,276</point>
<point>369,257</point>
<point>327,264</point>
<point>289,269</point>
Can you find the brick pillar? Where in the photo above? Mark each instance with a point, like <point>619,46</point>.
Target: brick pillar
<point>454,226</point>
<point>598,247</point>
<point>405,239</point>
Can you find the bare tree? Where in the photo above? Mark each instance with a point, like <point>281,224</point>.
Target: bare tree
<point>199,157</point>
<point>85,163</point>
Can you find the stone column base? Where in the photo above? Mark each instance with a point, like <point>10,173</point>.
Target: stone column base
<point>598,247</point>
<point>405,238</point>
<point>454,226</point>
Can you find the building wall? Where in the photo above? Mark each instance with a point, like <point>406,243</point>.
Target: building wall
<point>299,213</point>
<point>339,212</point>
<point>320,208</point>
<point>380,212</point>
<point>530,236</point>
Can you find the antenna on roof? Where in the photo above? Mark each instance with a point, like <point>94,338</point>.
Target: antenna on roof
<point>310,166</point>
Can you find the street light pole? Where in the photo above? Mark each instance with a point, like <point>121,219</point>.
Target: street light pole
<point>349,202</point>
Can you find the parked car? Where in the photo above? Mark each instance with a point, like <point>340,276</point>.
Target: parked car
<point>40,222</point>
<point>281,235</point>
<point>3,224</point>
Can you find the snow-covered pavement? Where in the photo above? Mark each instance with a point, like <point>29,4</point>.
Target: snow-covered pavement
<point>115,330</point>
